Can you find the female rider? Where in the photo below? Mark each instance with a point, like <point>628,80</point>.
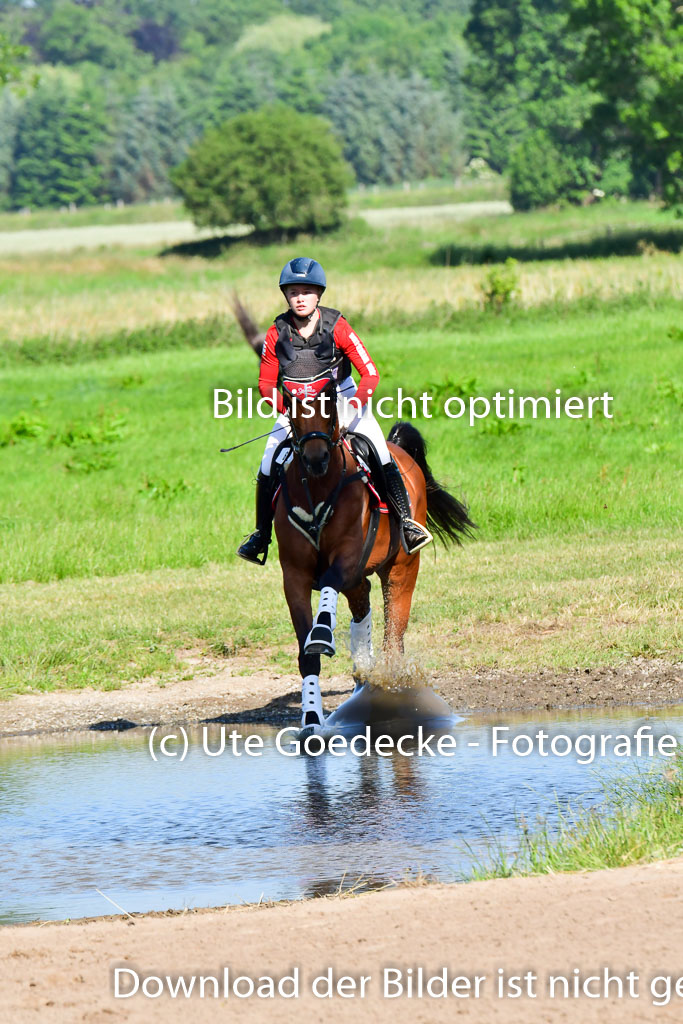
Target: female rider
<point>307,325</point>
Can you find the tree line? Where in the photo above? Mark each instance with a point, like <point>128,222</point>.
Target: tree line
<point>562,96</point>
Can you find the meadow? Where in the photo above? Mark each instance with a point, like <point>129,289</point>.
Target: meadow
<point>119,518</point>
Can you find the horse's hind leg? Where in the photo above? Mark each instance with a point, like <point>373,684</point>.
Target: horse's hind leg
<point>397,588</point>
<point>360,638</point>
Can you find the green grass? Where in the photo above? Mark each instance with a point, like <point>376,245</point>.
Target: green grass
<point>85,216</point>
<point>397,275</point>
<point>517,605</point>
<point>119,518</point>
<point>641,821</point>
<point>428,193</point>
<point>76,501</point>
<point>421,193</point>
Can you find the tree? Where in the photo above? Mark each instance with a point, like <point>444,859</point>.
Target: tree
<point>12,56</point>
<point>10,109</point>
<point>275,169</point>
<point>75,33</point>
<point>521,76</point>
<point>57,152</point>
<point>152,137</point>
<point>634,58</point>
<point>394,129</point>
<point>540,173</point>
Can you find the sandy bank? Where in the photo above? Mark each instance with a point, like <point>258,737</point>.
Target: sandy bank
<point>626,920</point>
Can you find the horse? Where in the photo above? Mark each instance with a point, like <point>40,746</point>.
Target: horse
<point>332,535</point>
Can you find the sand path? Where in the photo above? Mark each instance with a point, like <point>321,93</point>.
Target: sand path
<point>627,920</point>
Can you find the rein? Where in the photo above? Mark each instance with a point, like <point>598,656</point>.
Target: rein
<point>311,523</point>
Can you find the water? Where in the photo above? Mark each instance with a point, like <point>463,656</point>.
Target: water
<point>94,811</point>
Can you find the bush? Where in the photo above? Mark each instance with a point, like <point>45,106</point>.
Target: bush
<point>538,174</point>
<point>274,168</point>
<point>500,285</point>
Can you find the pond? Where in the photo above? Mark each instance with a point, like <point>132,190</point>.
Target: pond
<point>94,811</point>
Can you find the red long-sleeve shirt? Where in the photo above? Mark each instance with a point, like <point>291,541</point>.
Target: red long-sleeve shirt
<point>346,340</point>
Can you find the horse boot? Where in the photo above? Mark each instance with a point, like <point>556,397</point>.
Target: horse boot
<point>257,543</point>
<point>413,535</point>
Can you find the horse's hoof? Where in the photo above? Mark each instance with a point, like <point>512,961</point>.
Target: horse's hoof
<point>320,641</point>
<point>311,725</point>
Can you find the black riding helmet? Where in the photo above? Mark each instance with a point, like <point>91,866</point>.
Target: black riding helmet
<point>302,270</point>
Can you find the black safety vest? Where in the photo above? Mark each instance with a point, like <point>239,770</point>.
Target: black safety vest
<point>305,357</point>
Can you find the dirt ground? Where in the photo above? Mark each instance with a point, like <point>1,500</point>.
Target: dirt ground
<point>626,921</point>
<point>235,695</point>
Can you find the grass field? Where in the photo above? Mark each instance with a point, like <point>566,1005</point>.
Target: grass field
<point>399,276</point>
<point>423,193</point>
<point>119,518</point>
<point>640,822</point>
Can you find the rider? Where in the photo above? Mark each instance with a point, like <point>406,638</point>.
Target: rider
<point>313,327</point>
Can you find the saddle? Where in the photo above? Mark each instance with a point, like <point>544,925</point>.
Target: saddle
<point>366,456</point>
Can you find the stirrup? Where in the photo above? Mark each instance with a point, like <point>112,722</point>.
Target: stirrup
<point>426,539</point>
<point>251,548</point>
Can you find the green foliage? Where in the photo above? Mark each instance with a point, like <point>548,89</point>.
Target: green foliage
<point>539,175</point>
<point>523,93</point>
<point>159,489</point>
<point>275,169</point>
<point>9,120</point>
<point>634,58</point>
<point>71,34</point>
<point>57,158</point>
<point>22,427</point>
<point>283,33</point>
<point>12,57</point>
<point>395,129</point>
<point>500,285</point>
<point>152,137</point>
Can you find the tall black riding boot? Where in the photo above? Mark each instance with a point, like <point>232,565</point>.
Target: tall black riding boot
<point>413,536</point>
<point>258,543</point>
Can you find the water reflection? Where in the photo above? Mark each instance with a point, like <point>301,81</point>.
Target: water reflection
<point>84,812</point>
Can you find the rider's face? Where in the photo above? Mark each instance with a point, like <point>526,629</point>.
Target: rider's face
<point>302,298</point>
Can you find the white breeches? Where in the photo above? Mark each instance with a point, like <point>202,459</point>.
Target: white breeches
<point>350,417</point>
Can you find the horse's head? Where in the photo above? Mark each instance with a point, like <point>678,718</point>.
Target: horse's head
<point>311,405</point>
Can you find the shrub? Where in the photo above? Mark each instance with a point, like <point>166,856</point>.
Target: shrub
<point>500,284</point>
<point>273,168</point>
<point>538,174</point>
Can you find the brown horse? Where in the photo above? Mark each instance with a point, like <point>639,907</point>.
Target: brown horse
<point>325,523</point>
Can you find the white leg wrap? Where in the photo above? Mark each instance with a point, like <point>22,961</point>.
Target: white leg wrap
<point>321,638</point>
<point>311,700</point>
<point>328,603</point>
<point>360,643</point>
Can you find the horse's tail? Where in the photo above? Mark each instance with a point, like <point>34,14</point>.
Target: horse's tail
<point>250,330</point>
<point>446,516</point>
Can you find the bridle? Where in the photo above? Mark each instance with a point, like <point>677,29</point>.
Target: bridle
<point>299,440</point>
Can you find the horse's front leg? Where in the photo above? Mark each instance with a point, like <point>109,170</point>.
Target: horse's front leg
<point>336,578</point>
<point>320,639</point>
<point>298,594</point>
